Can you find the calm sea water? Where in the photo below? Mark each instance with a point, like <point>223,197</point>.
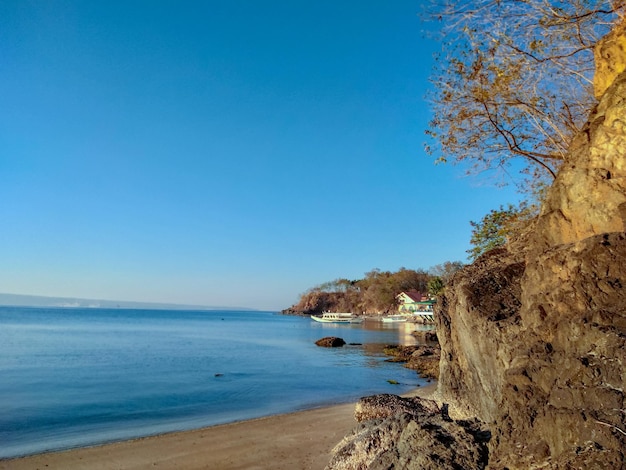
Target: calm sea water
<point>78,377</point>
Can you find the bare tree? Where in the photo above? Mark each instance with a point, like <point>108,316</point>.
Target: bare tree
<point>514,81</point>
<point>446,270</point>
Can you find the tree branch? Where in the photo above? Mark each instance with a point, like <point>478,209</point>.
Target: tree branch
<point>513,145</point>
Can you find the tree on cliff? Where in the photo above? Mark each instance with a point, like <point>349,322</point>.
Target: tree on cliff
<point>446,270</point>
<point>513,84</point>
<point>498,226</point>
<point>441,274</point>
<point>435,286</point>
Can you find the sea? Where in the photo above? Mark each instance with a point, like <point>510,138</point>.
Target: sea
<point>76,377</point>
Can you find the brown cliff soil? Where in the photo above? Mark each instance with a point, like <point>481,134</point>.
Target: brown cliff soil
<point>548,377</point>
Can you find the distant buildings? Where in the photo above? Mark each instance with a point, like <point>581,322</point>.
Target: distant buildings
<point>412,301</point>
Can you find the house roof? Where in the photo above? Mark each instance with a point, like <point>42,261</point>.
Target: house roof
<point>413,295</point>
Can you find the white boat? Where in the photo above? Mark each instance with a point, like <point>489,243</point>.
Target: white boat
<point>332,317</point>
<point>395,319</point>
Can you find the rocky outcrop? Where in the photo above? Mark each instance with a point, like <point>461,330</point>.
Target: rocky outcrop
<point>610,57</point>
<point>410,433</point>
<point>330,342</point>
<point>547,376</point>
<point>422,359</point>
<point>426,336</point>
<point>534,341</point>
<point>385,405</point>
<point>314,303</point>
<point>476,320</point>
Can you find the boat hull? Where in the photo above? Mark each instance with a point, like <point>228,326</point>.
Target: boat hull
<point>337,318</point>
<point>395,319</point>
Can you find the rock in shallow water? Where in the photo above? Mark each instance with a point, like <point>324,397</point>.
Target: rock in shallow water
<point>330,342</point>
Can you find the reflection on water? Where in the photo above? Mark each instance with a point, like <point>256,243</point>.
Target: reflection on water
<point>398,332</point>
<point>404,330</point>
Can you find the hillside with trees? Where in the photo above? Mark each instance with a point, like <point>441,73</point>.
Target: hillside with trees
<point>375,293</point>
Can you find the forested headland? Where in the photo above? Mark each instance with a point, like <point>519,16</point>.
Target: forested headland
<point>375,293</point>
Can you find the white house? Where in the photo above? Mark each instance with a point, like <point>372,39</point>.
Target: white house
<point>412,302</point>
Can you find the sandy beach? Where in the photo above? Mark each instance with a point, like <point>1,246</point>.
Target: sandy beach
<point>300,440</point>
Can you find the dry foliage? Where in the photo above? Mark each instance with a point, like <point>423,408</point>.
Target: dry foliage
<point>514,82</point>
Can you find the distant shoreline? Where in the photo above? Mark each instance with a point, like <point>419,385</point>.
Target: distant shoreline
<point>39,301</point>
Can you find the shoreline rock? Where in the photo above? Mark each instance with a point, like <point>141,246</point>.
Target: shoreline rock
<point>422,359</point>
<point>330,342</point>
<point>410,433</point>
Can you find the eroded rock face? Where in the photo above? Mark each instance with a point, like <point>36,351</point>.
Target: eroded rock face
<point>610,57</point>
<point>570,374</point>
<point>548,375</point>
<point>534,342</point>
<point>588,196</point>
<point>476,320</point>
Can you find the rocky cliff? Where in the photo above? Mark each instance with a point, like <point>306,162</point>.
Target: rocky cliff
<point>533,336</point>
<point>546,371</point>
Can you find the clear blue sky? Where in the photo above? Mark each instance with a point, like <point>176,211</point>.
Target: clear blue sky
<point>230,153</point>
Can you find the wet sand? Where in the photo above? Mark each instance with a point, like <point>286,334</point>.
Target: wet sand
<point>300,440</point>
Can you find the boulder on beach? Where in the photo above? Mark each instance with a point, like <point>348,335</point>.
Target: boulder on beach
<point>330,342</point>
<point>384,405</point>
<point>410,433</point>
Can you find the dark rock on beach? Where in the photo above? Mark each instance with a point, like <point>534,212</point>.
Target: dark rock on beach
<point>330,342</point>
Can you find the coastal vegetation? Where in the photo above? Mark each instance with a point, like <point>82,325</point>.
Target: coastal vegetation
<point>500,225</point>
<point>375,293</point>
